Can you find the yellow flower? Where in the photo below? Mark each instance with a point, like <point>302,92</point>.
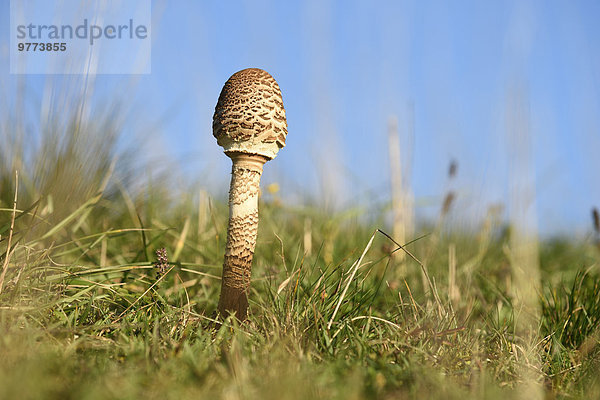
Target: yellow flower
<point>273,188</point>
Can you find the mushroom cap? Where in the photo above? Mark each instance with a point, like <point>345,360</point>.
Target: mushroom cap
<point>249,116</point>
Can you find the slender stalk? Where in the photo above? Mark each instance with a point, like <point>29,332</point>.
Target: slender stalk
<point>241,233</point>
<point>9,251</point>
<point>398,201</point>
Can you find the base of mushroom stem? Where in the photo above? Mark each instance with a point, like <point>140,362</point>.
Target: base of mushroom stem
<point>233,301</point>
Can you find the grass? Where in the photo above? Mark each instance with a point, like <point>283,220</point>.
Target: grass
<point>83,315</point>
<point>86,313</point>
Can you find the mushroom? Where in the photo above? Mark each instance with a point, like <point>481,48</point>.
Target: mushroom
<point>250,124</point>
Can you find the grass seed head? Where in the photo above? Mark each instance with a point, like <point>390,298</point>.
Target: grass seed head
<point>162,262</point>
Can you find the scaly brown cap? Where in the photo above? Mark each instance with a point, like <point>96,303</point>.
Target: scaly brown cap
<point>249,117</point>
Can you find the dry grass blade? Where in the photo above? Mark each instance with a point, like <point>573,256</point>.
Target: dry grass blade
<point>285,282</point>
<point>72,216</point>
<point>10,233</point>
<point>354,268</point>
<point>425,273</point>
<point>142,295</point>
<point>181,239</point>
<point>377,319</point>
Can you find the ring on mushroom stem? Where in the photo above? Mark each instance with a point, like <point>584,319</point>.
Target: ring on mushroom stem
<point>249,123</point>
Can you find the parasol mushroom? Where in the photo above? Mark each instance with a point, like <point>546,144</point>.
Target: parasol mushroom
<point>250,124</point>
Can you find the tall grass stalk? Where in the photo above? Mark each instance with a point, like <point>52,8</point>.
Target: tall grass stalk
<point>398,199</point>
<point>523,243</point>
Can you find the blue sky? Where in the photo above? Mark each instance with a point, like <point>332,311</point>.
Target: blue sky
<point>463,74</point>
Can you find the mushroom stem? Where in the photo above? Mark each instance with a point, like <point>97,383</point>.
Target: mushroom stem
<point>241,232</point>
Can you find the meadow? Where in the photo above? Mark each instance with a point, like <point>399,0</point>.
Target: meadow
<point>335,312</point>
